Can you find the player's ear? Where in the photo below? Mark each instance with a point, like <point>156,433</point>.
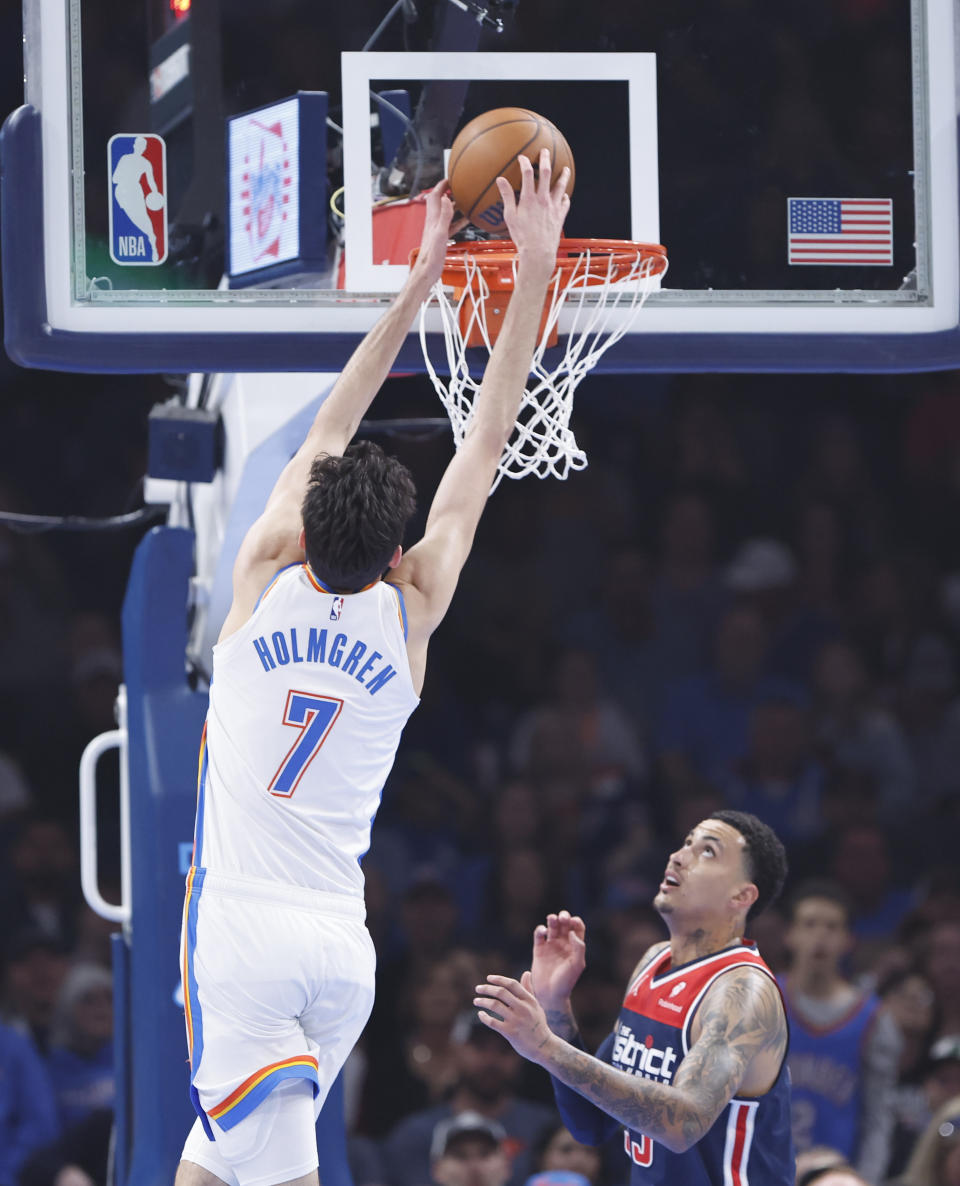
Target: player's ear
<point>745,896</point>
<point>302,540</point>
<point>396,557</point>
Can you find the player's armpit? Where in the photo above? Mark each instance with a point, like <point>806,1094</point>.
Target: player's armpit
<point>271,543</point>
<point>430,570</point>
<point>740,1020</point>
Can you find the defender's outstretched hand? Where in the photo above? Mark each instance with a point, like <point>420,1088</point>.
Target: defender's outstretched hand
<point>438,226</point>
<point>509,1007</point>
<point>535,219</point>
<point>559,956</point>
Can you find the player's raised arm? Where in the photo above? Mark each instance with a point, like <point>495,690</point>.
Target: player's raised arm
<point>274,539</point>
<point>430,570</point>
<point>559,957</point>
<point>740,1021</point>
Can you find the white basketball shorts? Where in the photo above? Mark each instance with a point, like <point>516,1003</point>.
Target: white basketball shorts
<point>277,983</point>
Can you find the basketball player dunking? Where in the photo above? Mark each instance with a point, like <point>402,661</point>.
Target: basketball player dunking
<point>694,1071</point>
<point>318,666</point>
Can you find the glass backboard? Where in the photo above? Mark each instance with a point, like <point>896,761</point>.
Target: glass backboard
<point>199,185</point>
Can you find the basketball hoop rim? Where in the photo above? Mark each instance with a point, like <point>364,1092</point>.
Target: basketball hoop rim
<point>495,259</point>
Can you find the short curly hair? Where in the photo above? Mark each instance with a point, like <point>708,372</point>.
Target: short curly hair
<point>354,514</point>
<point>764,856</point>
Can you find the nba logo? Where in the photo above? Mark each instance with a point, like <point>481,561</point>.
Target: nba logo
<point>336,609</point>
<point>137,179</point>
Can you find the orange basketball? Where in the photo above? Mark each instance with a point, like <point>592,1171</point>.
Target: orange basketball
<point>487,148</point>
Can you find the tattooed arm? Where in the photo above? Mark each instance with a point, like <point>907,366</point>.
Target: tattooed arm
<point>740,1021</point>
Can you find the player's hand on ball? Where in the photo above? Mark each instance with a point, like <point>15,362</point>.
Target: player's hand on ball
<point>535,219</point>
<point>438,226</point>
<point>509,1007</point>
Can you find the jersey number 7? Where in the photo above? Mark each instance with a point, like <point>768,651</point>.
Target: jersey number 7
<point>314,716</point>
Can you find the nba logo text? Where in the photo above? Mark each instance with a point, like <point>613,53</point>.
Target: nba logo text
<point>137,181</point>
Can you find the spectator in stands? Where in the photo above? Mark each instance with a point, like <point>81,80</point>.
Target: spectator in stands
<point>909,999</point>
<point>706,721</point>
<point>837,473</point>
<point>688,594</point>
<point>843,1049</point>
<point>79,1157</point>
<point>707,451</point>
<point>883,622</point>
<point>489,1070</point>
<point>365,1162</point>
<point>28,1109</point>
<point>942,1076</point>
<point>428,918</point>
<point>16,796</point>
<point>32,630</point>
<point>823,561</point>
<point>862,865</point>
<point>930,712</point>
<point>468,1150</point>
<point>840,1175</point>
<point>936,1158</point>
<point>419,1067</point>
<point>35,968</point>
<point>811,1163</point>
<point>43,864</point>
<point>81,1044</point>
<point>609,741</point>
<point>618,628</point>
<point>558,1150</point>
<point>768,930</point>
<point>779,778</point>
<point>941,963</point>
<point>635,930</point>
<point>522,884</point>
<point>854,734</point>
<point>763,574</point>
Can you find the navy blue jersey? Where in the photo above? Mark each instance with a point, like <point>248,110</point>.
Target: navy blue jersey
<point>749,1144</point>
<point>825,1067</point>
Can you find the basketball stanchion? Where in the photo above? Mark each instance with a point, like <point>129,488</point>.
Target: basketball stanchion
<point>472,297</point>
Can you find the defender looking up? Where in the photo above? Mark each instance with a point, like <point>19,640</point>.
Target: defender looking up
<point>694,1070</point>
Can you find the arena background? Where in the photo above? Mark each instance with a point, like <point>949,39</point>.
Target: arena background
<point>558,753</point>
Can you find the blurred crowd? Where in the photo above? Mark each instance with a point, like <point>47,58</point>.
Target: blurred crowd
<point>751,598</point>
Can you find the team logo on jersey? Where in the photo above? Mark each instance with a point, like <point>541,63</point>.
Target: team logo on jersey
<point>678,988</point>
<point>336,609</point>
<point>137,173</point>
<point>642,1058</point>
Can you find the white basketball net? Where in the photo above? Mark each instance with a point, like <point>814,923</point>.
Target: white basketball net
<point>542,442</point>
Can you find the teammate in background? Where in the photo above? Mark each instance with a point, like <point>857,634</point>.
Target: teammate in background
<point>844,1050</point>
<point>694,1071</point>
<point>319,664</point>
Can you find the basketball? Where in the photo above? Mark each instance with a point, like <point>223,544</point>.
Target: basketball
<point>154,201</point>
<point>487,148</point>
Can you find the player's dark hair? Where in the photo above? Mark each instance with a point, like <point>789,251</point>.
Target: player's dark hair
<point>824,890</point>
<point>764,856</point>
<point>354,514</point>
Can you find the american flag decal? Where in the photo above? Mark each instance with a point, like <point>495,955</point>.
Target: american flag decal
<point>840,231</point>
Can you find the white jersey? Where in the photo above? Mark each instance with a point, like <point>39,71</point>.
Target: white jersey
<point>307,703</point>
